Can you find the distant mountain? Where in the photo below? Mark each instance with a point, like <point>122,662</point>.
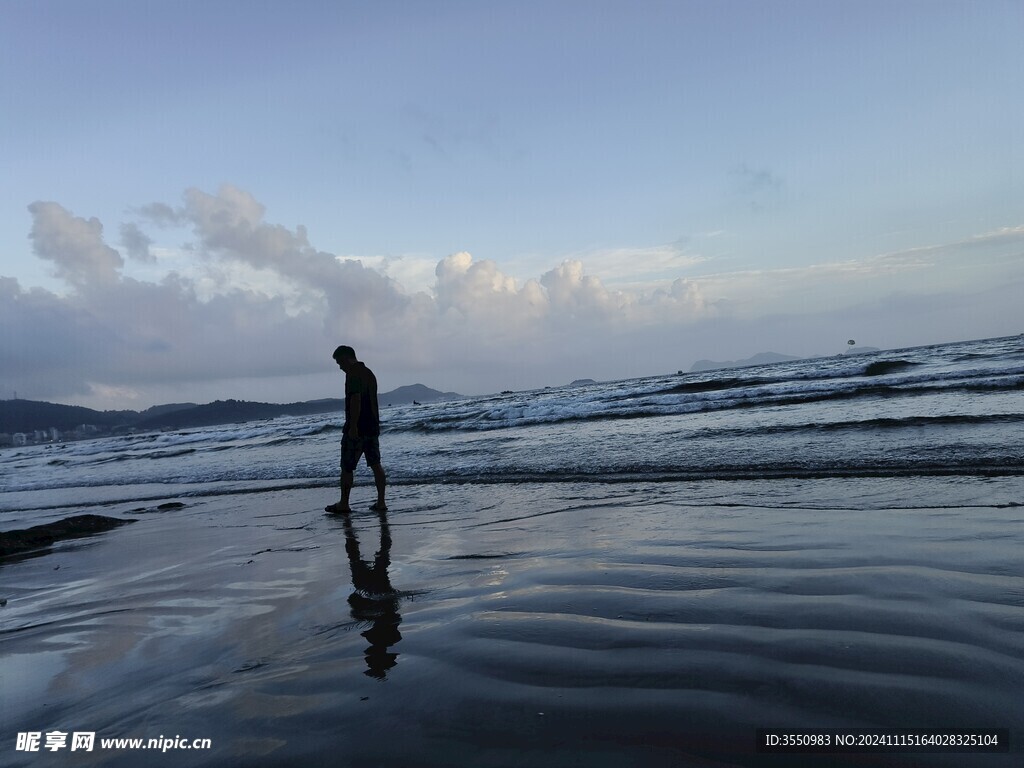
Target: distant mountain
<point>30,415</point>
<point>415,393</point>
<point>762,358</point>
<point>233,412</point>
<point>159,410</point>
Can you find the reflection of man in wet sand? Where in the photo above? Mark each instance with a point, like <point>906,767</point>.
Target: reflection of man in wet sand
<point>362,428</point>
<point>374,600</point>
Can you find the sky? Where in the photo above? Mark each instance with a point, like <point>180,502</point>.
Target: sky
<point>202,198</point>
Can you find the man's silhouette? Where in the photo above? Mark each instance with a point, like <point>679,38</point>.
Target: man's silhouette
<point>362,428</point>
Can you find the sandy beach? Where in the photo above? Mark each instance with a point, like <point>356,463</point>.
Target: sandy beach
<point>549,624</point>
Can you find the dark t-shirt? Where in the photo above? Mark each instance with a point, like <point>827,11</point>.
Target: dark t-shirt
<point>362,383</point>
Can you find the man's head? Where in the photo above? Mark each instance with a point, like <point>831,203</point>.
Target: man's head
<point>344,357</point>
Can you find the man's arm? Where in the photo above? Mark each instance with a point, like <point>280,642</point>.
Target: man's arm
<point>356,406</point>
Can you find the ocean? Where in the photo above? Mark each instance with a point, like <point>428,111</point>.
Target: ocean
<point>952,410</point>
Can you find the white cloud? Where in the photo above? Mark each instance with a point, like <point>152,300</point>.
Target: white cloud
<point>74,245</point>
<point>256,302</point>
<point>578,296</point>
<point>411,272</point>
<point>639,268</point>
<point>485,298</point>
<point>136,242</point>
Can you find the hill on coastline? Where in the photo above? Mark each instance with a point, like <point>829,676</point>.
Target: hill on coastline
<point>27,416</point>
<point>31,415</point>
<point>233,412</point>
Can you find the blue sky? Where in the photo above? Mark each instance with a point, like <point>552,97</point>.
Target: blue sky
<point>201,198</point>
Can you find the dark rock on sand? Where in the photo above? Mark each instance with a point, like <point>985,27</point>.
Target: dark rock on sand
<point>166,507</point>
<point>42,536</point>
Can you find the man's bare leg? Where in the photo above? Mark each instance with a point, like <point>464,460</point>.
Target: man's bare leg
<point>346,489</point>
<point>380,480</point>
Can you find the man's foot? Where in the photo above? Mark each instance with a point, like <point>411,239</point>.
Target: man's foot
<point>378,506</point>
<point>338,508</point>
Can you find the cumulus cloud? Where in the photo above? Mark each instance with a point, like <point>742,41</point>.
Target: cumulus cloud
<point>161,214</point>
<point>74,245</point>
<point>261,300</point>
<point>136,242</point>
<point>112,330</point>
<point>478,294</point>
<point>258,302</point>
<point>230,227</point>
<point>578,296</point>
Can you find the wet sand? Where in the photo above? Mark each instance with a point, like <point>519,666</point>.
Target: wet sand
<point>500,625</point>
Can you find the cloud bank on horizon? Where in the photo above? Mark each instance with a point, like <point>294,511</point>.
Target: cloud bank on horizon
<point>251,309</point>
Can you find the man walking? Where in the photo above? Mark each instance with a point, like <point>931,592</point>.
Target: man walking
<point>362,428</point>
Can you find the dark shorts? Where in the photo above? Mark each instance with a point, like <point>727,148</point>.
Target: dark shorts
<point>352,449</point>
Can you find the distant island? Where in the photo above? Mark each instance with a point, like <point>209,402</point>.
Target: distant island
<point>415,393</point>
<point>24,422</point>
